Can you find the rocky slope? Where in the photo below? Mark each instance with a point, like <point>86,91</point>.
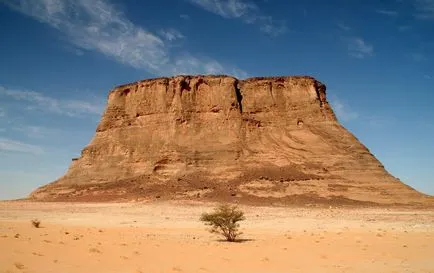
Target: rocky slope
<point>260,140</point>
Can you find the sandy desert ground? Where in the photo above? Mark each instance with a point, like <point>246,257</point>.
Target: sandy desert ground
<point>167,237</point>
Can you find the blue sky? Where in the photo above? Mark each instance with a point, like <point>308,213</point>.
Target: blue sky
<point>59,59</point>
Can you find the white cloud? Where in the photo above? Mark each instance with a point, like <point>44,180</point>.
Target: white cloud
<point>343,112</point>
<point>358,48</point>
<point>42,102</point>
<point>97,26</point>
<point>387,12</point>
<point>245,10</point>
<point>425,9</point>
<point>270,26</point>
<point>171,34</point>
<point>187,65</point>
<point>2,112</point>
<point>9,145</point>
<point>227,8</point>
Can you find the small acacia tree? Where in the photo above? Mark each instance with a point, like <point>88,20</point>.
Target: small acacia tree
<point>224,221</point>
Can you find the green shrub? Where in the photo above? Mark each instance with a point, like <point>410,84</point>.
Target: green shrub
<point>224,221</point>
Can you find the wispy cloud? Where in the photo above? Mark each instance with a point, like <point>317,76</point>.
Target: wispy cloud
<point>189,64</point>
<point>171,34</point>
<point>392,13</point>
<point>428,77</point>
<point>97,26</point>
<point>342,111</point>
<point>245,10</point>
<point>9,145</point>
<point>424,9</point>
<point>359,48</point>
<point>39,101</point>
<point>2,112</point>
<point>227,8</point>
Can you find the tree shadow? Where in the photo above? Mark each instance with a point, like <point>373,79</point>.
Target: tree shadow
<point>239,241</point>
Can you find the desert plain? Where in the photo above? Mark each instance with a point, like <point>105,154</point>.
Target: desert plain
<point>167,236</point>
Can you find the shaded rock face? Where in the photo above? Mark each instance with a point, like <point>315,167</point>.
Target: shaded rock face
<point>260,140</point>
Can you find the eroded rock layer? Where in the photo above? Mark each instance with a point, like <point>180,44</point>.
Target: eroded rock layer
<point>260,140</point>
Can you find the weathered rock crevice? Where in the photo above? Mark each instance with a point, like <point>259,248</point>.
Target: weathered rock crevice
<point>239,95</point>
<point>321,92</point>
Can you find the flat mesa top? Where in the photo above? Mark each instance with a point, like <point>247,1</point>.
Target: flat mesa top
<point>274,78</point>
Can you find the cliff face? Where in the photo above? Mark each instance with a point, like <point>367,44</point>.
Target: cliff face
<point>215,137</point>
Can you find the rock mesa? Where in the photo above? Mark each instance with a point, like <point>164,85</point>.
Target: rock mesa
<point>259,140</point>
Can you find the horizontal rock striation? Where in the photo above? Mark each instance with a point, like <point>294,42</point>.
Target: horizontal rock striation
<point>259,140</point>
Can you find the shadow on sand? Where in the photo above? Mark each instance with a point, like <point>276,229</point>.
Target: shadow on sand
<point>236,240</point>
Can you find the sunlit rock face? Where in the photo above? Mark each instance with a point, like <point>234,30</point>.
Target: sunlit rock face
<point>260,140</point>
